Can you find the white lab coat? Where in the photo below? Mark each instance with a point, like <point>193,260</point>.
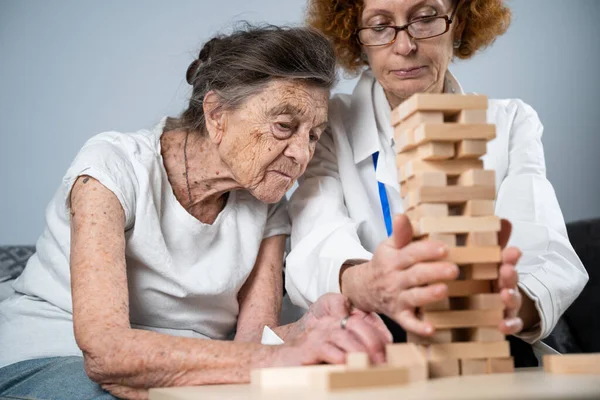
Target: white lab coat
<point>337,215</point>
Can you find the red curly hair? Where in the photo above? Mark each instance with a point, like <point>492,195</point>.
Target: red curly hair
<point>481,22</point>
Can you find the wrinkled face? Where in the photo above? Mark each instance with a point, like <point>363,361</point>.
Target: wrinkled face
<point>268,141</point>
<point>408,66</point>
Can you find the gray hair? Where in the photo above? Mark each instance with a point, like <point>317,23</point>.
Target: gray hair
<point>240,65</point>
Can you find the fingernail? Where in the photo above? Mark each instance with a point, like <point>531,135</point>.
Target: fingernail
<point>429,330</point>
<point>512,292</point>
<point>450,271</point>
<point>441,250</point>
<point>511,323</point>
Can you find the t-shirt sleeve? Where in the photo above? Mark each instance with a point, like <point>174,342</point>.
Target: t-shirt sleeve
<point>278,220</point>
<point>106,158</point>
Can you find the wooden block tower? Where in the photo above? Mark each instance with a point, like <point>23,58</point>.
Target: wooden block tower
<point>449,197</point>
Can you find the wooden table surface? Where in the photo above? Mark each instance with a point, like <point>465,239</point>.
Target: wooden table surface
<point>524,384</point>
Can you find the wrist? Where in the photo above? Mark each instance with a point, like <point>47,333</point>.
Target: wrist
<point>350,284</point>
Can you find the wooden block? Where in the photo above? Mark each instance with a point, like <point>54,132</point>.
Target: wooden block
<point>448,103</point>
<point>418,118</point>
<point>436,151</point>
<point>358,360</point>
<point>463,318</point>
<point>500,365</point>
<point>444,368</point>
<point>467,288</point>
<point>405,141</point>
<point>408,355</point>
<point>439,336</point>
<point>476,272</point>
<point>483,301</point>
<point>443,351</point>
<point>473,255</point>
<point>448,239</point>
<point>361,378</point>
<point>477,239</point>
<point>483,334</point>
<point>572,363</point>
<point>447,195</point>
<point>472,117</point>
<point>289,377</point>
<point>471,148</point>
<point>449,167</point>
<point>478,208</point>
<point>477,177</point>
<point>473,367</point>
<point>441,305</point>
<point>432,179</point>
<point>456,224</point>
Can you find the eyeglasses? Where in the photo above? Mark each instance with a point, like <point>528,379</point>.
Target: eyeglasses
<point>424,28</point>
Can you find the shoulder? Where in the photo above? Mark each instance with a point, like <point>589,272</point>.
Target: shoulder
<point>512,113</point>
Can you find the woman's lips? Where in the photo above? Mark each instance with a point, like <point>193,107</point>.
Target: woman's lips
<point>408,72</point>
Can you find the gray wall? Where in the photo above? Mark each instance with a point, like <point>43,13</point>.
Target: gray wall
<point>70,69</point>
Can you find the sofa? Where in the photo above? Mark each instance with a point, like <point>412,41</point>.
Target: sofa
<point>578,331</point>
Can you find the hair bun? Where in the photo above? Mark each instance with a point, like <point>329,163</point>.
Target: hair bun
<point>192,71</point>
<point>205,54</point>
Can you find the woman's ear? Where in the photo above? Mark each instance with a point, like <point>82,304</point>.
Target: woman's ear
<point>214,117</point>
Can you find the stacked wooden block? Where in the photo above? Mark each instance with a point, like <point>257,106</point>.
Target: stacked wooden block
<point>448,196</point>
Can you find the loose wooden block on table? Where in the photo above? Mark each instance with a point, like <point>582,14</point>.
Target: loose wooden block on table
<point>463,318</point>
<point>409,356</point>
<point>289,377</point>
<point>447,195</point>
<point>470,350</point>
<point>467,288</point>
<point>357,360</point>
<point>473,255</point>
<point>449,132</point>
<point>361,378</point>
<point>449,167</point>
<point>572,363</point>
<point>473,148</point>
<point>456,224</point>
<point>447,103</point>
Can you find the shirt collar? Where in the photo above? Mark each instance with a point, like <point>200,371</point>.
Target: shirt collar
<point>370,114</point>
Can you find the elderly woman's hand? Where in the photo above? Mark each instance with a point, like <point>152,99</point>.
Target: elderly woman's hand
<point>330,329</point>
<point>404,275</point>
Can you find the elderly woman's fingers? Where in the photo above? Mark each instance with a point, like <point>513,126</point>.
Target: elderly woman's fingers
<point>377,322</point>
<point>331,354</point>
<point>426,273</point>
<point>511,255</point>
<point>407,320</point>
<point>391,259</point>
<point>420,296</point>
<point>511,326</point>
<point>508,277</point>
<point>512,300</point>
<point>370,337</point>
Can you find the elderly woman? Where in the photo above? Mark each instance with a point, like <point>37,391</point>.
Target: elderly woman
<point>160,238</point>
<point>339,236</point>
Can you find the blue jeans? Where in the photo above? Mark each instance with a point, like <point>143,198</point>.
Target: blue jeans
<point>56,378</point>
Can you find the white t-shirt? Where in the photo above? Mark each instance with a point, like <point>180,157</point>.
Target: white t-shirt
<point>183,275</point>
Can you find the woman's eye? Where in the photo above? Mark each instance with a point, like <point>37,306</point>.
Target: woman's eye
<point>284,126</point>
<point>313,137</point>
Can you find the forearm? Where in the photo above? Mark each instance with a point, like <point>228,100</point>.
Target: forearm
<point>144,359</point>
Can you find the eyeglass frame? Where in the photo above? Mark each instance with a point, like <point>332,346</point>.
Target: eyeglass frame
<point>449,19</point>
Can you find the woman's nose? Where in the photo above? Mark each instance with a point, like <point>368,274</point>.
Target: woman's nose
<point>404,44</point>
<point>298,148</point>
